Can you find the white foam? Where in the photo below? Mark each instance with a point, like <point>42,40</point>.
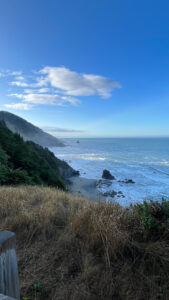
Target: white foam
<point>150,172</point>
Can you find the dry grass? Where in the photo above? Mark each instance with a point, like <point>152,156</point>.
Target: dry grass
<point>72,249</point>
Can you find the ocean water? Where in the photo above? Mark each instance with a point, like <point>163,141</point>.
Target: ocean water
<point>144,160</point>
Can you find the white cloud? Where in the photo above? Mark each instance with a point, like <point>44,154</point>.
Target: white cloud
<point>6,73</point>
<point>41,81</point>
<point>15,73</point>
<point>57,86</point>
<point>19,83</point>
<point>46,99</point>
<point>19,78</point>
<point>33,91</point>
<point>22,106</point>
<point>77,84</point>
<point>52,129</point>
<point>43,90</point>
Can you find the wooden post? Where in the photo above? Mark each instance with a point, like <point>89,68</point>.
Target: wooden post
<point>9,279</point>
<point>2,297</point>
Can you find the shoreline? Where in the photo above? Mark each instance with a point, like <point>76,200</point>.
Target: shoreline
<point>84,187</point>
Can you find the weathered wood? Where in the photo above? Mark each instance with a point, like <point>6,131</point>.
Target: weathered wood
<point>9,279</point>
<point>2,297</point>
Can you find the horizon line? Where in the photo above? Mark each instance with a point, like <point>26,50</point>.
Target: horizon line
<point>114,137</point>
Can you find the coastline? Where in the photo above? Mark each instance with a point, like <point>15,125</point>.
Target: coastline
<point>84,187</point>
<point>142,161</point>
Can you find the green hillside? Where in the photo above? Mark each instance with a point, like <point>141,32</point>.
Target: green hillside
<point>28,131</point>
<point>28,163</point>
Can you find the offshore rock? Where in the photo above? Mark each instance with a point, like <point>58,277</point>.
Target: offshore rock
<point>107,175</point>
<point>127,181</point>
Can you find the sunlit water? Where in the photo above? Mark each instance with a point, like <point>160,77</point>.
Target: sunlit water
<point>145,160</point>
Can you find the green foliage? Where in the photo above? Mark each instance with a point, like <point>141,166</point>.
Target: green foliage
<point>3,157</point>
<point>18,176</point>
<point>27,163</point>
<point>37,286</point>
<point>153,215</point>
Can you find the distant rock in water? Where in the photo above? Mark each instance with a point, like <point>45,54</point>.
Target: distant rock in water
<point>107,175</point>
<point>28,131</point>
<point>127,181</point>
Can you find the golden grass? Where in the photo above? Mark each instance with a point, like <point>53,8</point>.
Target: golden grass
<point>72,249</point>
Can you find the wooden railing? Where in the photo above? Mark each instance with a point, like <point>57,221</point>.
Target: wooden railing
<point>9,279</point>
<point>3,297</point>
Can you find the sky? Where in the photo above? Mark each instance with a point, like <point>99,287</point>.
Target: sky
<point>85,68</point>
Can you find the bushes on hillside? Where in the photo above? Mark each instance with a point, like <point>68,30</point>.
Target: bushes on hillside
<point>26,163</point>
<point>153,215</point>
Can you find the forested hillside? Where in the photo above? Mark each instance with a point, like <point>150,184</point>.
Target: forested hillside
<point>28,131</point>
<point>28,163</point>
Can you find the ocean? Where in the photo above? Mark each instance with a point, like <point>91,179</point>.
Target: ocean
<point>144,160</point>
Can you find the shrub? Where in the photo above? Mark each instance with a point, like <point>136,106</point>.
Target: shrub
<point>153,215</point>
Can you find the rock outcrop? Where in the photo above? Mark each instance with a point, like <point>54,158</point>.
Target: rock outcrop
<point>107,175</point>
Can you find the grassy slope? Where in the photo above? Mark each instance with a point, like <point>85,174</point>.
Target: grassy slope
<point>72,249</point>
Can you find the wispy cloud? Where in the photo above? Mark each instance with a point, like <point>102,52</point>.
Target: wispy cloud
<point>56,129</point>
<point>57,86</point>
<point>8,73</point>
<point>14,73</point>
<point>37,91</point>
<point>19,83</point>
<point>19,106</point>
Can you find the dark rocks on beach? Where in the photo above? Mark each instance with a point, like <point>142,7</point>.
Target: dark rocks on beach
<point>120,196</point>
<point>113,193</point>
<point>120,192</point>
<point>103,183</point>
<point>76,173</point>
<point>68,172</point>
<point>107,175</point>
<point>110,194</point>
<point>127,181</point>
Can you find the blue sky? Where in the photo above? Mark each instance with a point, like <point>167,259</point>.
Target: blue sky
<point>87,68</point>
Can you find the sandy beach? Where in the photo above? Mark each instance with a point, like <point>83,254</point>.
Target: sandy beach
<point>85,188</point>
